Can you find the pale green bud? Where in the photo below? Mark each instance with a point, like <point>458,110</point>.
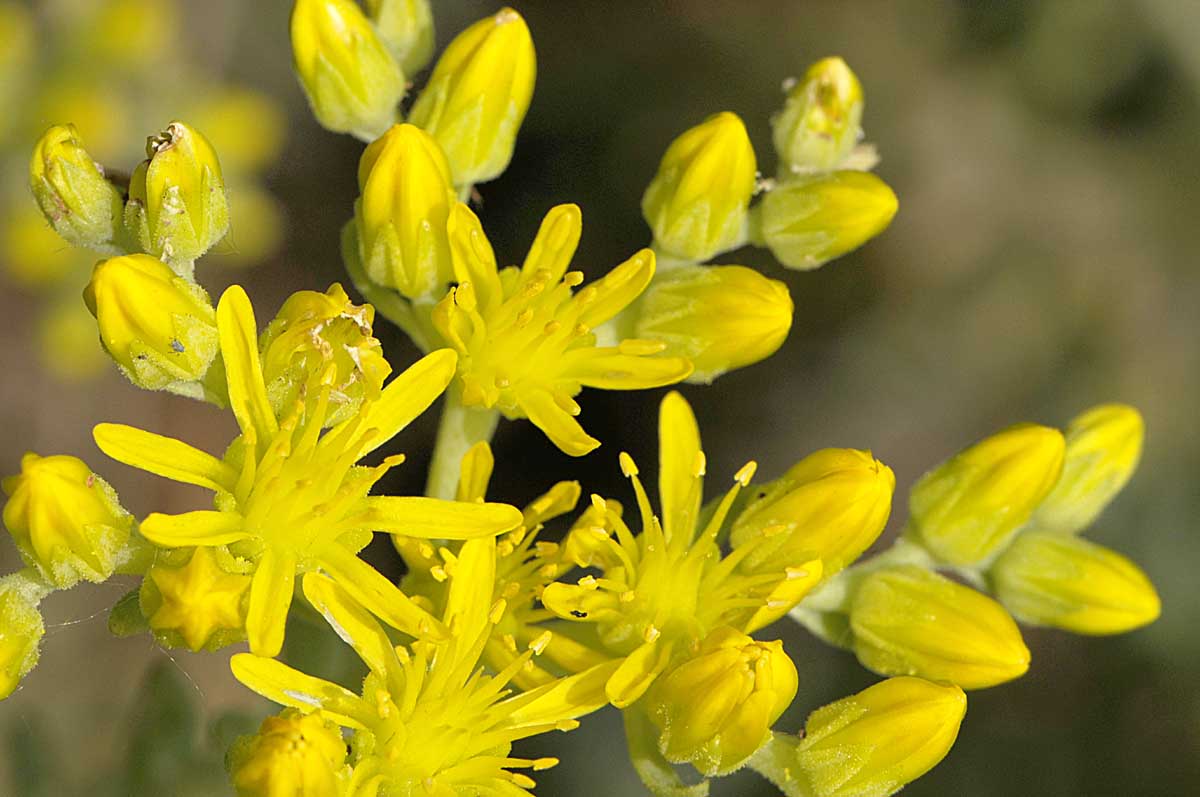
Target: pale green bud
<point>406,27</point>
<point>966,510</point>
<point>478,94</point>
<point>821,120</point>
<point>910,621</point>
<point>1104,445</point>
<point>406,193</point>
<point>716,708</point>
<point>1066,582</point>
<point>831,505</point>
<point>66,520</point>
<point>696,205</point>
<point>177,208</point>
<point>352,82</point>
<point>21,630</point>
<point>719,317</point>
<point>811,220</point>
<point>160,328</point>
<point>70,188</point>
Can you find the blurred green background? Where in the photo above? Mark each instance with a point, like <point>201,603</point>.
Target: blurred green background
<point>1043,260</point>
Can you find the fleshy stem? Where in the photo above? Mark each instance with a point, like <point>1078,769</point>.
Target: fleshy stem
<point>459,428</point>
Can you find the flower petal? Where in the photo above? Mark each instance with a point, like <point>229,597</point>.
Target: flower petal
<point>437,519</point>
<point>409,394</point>
<point>474,260</point>
<point>679,458</point>
<point>243,370</point>
<point>564,698</point>
<point>617,289</point>
<point>783,598</point>
<point>164,456</point>
<point>475,472</point>
<point>562,429</point>
<point>555,243</point>
<point>203,527</point>
<point>276,681</point>
<point>353,623</point>
<point>379,596</point>
<point>270,598</point>
<point>609,369</point>
<point>469,601</point>
<point>637,672</point>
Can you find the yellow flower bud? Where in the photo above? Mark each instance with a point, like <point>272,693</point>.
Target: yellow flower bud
<point>719,317</point>
<point>406,27</point>
<point>292,755</point>
<point>21,631</point>
<point>478,94</point>
<point>876,742</point>
<point>160,328</point>
<point>191,599</point>
<point>1056,580</point>
<point>177,208</point>
<point>966,510</point>
<point>716,708</point>
<point>65,520</point>
<point>312,332</point>
<point>820,121</point>
<point>696,204</point>
<point>352,82</point>
<point>830,505</point>
<point>406,196</point>
<point>70,188</point>
<point>1104,445</point>
<point>910,621</point>
<point>811,220</point>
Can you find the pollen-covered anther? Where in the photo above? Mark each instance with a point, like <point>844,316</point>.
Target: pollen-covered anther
<point>540,764</point>
<point>651,633</point>
<point>628,466</point>
<point>539,644</point>
<point>497,612</point>
<point>746,473</point>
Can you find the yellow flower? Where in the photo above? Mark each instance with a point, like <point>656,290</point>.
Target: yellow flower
<point>312,332</point>
<point>70,188</point>
<point>177,208</point>
<point>1050,579</point>
<point>719,317</point>
<point>429,721</point>
<point>910,621</point>
<point>969,507</point>
<point>526,343</point>
<point>291,500</point>
<point>831,505</point>
<point>665,590</point>
<point>871,744</point>
<point>21,629</point>
<point>406,27</point>
<point>820,122</point>
<point>405,198</point>
<point>158,327</point>
<point>716,708</point>
<point>292,755</point>
<point>478,94</point>
<point>696,204</point>
<point>66,520</point>
<point>1104,445</point>
<point>811,220</point>
<point>352,82</point>
<point>190,599</point>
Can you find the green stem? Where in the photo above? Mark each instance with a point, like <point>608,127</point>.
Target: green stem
<point>459,429</point>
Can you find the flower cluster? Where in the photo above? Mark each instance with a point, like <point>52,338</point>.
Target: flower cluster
<point>503,627</point>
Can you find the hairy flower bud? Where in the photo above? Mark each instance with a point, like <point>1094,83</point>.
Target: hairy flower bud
<point>811,220</point>
<point>65,520</point>
<point>716,708</point>
<point>821,120</point>
<point>910,621</point>
<point>406,27</point>
<point>966,510</point>
<point>292,755</point>
<point>1104,445</point>
<point>478,94</point>
<point>322,338</point>
<point>70,188</point>
<point>696,205</point>
<point>160,328</point>
<point>352,82</point>
<point>177,208</point>
<point>830,505</point>
<point>1051,579</point>
<point>719,317</point>
<point>406,193</point>
<point>21,631</point>
<point>873,743</point>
